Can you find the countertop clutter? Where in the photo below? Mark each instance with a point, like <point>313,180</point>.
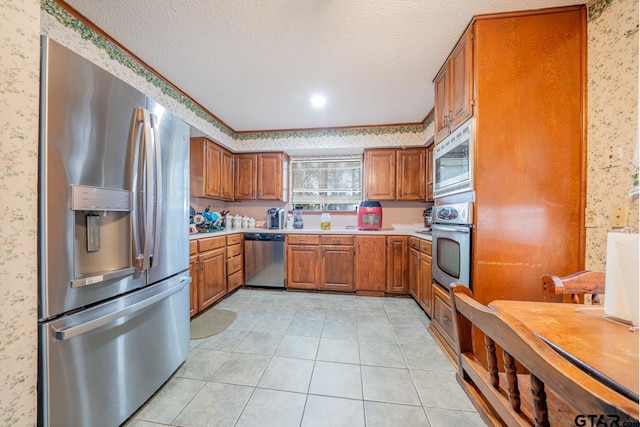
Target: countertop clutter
<point>419,233</point>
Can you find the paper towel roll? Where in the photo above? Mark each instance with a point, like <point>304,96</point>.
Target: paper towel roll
<point>621,280</point>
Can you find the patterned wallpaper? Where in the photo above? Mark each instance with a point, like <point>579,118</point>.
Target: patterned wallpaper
<point>72,33</point>
<point>612,122</point>
<point>20,59</point>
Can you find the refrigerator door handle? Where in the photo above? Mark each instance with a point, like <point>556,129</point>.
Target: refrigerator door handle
<point>157,189</point>
<point>74,331</point>
<point>149,191</point>
<point>137,169</point>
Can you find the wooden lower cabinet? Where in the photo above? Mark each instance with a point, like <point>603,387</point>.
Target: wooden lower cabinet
<point>397,262</point>
<point>337,268</point>
<point>420,275</point>
<point>370,264</point>
<point>194,267</point>
<point>216,268</point>
<point>425,294</point>
<point>235,262</point>
<point>414,273</point>
<point>441,324</point>
<point>303,266</point>
<point>213,283</point>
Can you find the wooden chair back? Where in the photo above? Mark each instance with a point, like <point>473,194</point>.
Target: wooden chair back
<point>556,392</point>
<point>572,288</point>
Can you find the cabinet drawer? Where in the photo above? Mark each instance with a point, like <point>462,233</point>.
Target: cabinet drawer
<point>442,315</point>
<point>234,250</point>
<point>211,243</point>
<point>425,246</point>
<point>303,239</point>
<point>193,247</point>
<point>414,242</point>
<point>336,240</point>
<point>234,264</point>
<point>234,239</point>
<point>235,280</point>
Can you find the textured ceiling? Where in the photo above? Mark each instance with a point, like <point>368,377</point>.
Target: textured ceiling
<point>255,63</point>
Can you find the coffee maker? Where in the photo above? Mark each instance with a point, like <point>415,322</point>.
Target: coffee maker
<point>276,219</point>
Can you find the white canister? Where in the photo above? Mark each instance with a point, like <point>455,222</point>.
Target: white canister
<point>237,221</point>
<point>252,222</point>
<point>245,222</point>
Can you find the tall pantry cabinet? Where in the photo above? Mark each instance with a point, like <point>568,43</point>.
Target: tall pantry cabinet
<point>522,79</point>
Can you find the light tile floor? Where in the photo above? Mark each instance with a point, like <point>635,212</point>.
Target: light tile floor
<point>303,359</point>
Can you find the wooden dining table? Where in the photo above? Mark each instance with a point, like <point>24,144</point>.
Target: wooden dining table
<point>603,347</point>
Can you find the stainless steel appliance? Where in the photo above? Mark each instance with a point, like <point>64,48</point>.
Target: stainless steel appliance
<point>113,314</point>
<point>264,259</point>
<point>451,234</point>
<point>276,219</point>
<point>453,160</point>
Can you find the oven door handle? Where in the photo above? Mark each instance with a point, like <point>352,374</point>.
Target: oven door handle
<point>452,229</point>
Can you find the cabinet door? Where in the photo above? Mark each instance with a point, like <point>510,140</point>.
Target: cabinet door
<point>414,275</point>
<point>425,292</point>
<point>226,175</point>
<point>245,177</point>
<point>441,113</point>
<point>194,272</point>
<point>270,176</point>
<point>461,81</point>
<point>397,261</point>
<point>380,174</point>
<point>370,263</point>
<point>302,266</point>
<point>337,268</point>
<point>430,167</point>
<point>411,174</point>
<point>212,176</point>
<point>213,283</point>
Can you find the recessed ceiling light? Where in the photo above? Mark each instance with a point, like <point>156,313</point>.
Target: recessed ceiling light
<point>318,101</point>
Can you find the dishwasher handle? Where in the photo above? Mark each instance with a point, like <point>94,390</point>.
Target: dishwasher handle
<point>83,328</point>
<point>267,237</point>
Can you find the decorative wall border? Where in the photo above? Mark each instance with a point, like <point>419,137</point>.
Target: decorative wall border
<point>67,19</point>
<point>64,17</point>
<point>596,7</point>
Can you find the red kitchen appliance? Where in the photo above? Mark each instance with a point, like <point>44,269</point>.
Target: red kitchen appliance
<point>369,216</point>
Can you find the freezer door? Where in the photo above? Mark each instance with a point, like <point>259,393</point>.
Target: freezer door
<point>98,366</point>
<point>84,212</point>
<point>170,252</point>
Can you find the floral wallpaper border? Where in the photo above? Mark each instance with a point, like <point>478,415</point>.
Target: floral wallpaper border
<point>64,17</point>
<point>595,8</point>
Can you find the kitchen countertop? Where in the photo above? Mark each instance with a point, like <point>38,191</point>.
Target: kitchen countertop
<point>384,232</point>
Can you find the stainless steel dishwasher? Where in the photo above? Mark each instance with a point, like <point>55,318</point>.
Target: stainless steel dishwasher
<point>264,259</point>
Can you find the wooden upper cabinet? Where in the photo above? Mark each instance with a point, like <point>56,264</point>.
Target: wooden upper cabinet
<point>262,176</point>
<point>209,175</point>
<point>461,81</point>
<point>430,167</point>
<point>380,174</point>
<point>453,87</point>
<point>395,174</point>
<point>246,178</point>
<point>226,178</point>
<point>441,89</point>
<point>273,176</point>
<point>411,174</point>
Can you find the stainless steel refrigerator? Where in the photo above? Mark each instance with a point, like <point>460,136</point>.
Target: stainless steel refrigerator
<point>113,244</point>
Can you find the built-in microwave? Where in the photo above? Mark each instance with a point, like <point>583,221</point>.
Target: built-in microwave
<point>453,162</point>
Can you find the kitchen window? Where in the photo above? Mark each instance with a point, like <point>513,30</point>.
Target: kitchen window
<point>327,184</point>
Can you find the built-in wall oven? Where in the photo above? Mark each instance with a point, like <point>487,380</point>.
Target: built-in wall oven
<point>451,234</point>
<point>453,162</point>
